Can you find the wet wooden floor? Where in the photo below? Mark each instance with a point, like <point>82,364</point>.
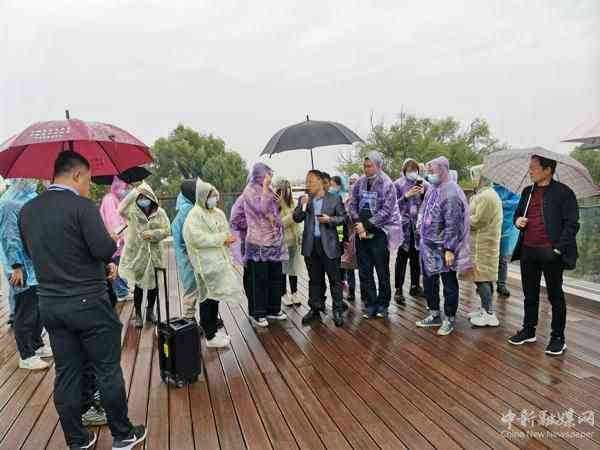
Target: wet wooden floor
<point>371,384</point>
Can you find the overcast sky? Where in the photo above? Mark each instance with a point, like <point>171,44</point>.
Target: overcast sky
<point>242,70</point>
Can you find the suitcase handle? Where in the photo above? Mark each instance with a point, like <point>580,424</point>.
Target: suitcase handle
<point>164,273</point>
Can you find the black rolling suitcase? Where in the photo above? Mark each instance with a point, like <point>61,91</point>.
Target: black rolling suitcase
<point>178,345</point>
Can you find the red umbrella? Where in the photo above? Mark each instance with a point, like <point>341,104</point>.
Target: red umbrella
<point>109,149</point>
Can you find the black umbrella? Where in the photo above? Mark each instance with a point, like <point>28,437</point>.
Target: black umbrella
<point>308,135</point>
<point>129,176</point>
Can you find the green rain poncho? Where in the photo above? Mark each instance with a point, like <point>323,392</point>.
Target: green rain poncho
<point>140,257</point>
<point>205,232</point>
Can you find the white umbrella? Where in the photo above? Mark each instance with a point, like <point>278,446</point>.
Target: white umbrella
<point>587,133</point>
<point>510,168</point>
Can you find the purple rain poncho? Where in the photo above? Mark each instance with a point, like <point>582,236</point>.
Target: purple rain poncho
<point>381,200</point>
<point>264,241</point>
<point>409,209</point>
<point>444,224</point>
<point>238,225</point>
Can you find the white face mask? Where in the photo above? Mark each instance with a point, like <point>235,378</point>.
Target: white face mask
<point>212,202</point>
<point>412,175</point>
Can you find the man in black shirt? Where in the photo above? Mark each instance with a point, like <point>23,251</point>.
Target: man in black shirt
<point>71,249</point>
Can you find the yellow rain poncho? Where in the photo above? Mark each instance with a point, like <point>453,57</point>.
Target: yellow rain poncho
<point>486,229</point>
<point>140,257</point>
<point>205,232</point>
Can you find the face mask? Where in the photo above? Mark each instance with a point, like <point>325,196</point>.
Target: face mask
<point>144,202</point>
<point>212,202</point>
<point>412,176</point>
<point>434,179</point>
<point>334,189</point>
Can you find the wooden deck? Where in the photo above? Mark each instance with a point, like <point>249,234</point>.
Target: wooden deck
<point>371,384</point>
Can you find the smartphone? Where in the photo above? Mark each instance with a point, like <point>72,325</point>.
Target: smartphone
<point>420,182</point>
<point>120,230</point>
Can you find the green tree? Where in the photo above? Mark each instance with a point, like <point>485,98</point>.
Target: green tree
<point>590,158</point>
<point>424,139</point>
<point>188,152</point>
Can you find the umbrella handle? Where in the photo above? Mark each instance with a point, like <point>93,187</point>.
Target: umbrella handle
<point>528,200</point>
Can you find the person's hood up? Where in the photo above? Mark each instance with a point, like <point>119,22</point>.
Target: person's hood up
<point>259,172</point>
<point>203,189</point>
<point>118,187</point>
<point>475,173</point>
<point>443,166</point>
<point>376,158</point>
<point>147,191</point>
<point>354,178</point>
<point>20,190</point>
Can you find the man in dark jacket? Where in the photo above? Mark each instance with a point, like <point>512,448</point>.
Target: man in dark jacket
<point>321,213</point>
<point>548,220</point>
<point>71,249</point>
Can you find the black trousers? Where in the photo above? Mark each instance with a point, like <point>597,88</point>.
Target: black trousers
<point>293,284</point>
<point>138,298</point>
<point>318,264</point>
<point>534,263</point>
<point>402,259</point>
<point>81,330</point>
<point>374,255</point>
<point>28,326</point>
<point>265,288</point>
<point>431,286</point>
<point>209,313</point>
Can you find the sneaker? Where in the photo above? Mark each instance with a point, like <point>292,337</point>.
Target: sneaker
<point>286,300</point>
<point>279,316</point>
<point>430,322</point>
<point>138,321</point>
<point>137,435</point>
<point>417,292</point>
<point>446,328</point>
<point>503,292</point>
<point>370,312</point>
<point>310,316</point>
<point>399,297</point>
<point>44,352</point>
<point>91,441</point>
<point>382,312</point>
<point>94,417</point>
<point>33,363</point>
<point>522,337</point>
<point>11,320</point>
<point>218,341</point>
<point>485,320</point>
<point>556,347</point>
<point>338,318</point>
<point>475,313</point>
<point>261,322</point>
<point>222,332</point>
<point>351,297</point>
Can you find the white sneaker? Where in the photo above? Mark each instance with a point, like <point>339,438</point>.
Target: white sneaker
<point>262,322</point>
<point>280,316</point>
<point>485,320</point>
<point>296,299</point>
<point>218,341</point>
<point>33,363</point>
<point>222,332</point>
<point>475,313</point>
<point>287,300</point>
<point>44,352</point>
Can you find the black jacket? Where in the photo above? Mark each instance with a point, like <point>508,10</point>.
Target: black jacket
<point>561,221</point>
<point>334,208</point>
<point>68,244</point>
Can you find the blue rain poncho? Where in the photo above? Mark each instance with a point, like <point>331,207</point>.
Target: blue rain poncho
<point>184,265</point>
<point>510,233</point>
<point>12,251</point>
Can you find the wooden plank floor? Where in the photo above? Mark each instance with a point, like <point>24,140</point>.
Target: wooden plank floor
<point>371,384</point>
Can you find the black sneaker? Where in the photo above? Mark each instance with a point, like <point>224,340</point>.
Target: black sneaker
<point>503,292</point>
<point>311,315</point>
<point>137,435</point>
<point>89,444</point>
<point>417,292</point>
<point>399,297</point>
<point>556,347</point>
<point>522,337</point>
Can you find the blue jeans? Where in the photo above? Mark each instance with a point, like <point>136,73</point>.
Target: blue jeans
<point>119,285</point>
<point>431,287</point>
